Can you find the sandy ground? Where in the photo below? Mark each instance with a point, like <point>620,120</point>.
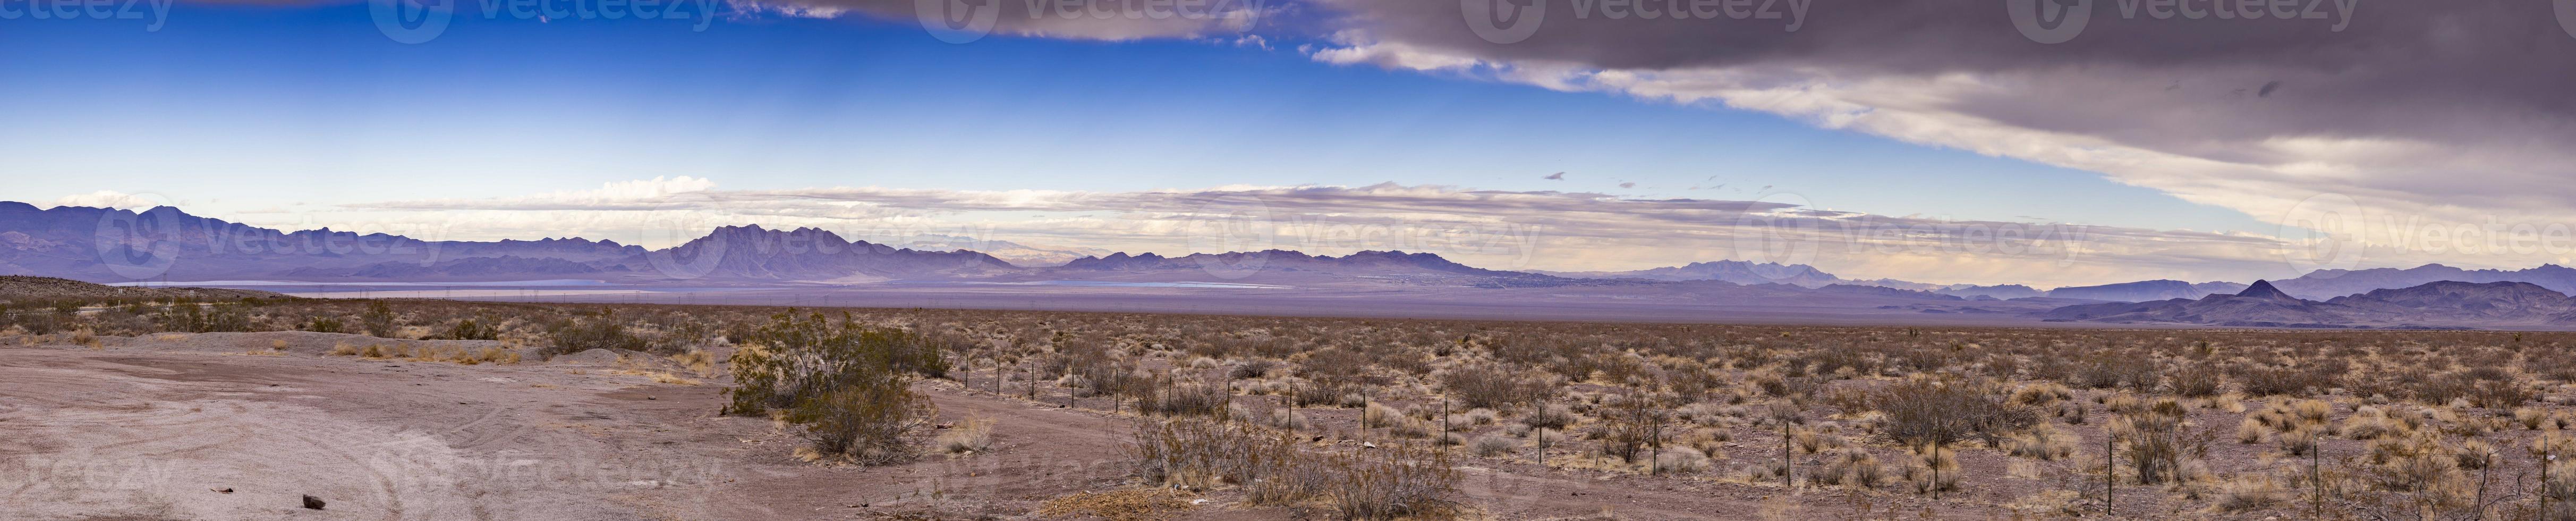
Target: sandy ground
<point>161,428</point>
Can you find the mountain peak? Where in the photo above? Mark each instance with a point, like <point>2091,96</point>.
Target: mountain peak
<point>2263,289</point>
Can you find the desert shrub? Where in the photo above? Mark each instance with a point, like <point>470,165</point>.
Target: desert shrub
<point>2560,490</point>
<point>2154,444</point>
<point>865,416</point>
<point>2369,423</point>
<point>469,329</point>
<point>1490,385</point>
<point>2261,381</point>
<point>2251,430</point>
<point>2197,380</point>
<point>1390,483</point>
<point>1313,393</point>
<point>850,386</point>
<point>1254,368</point>
<point>1285,419</point>
<point>1853,466</point>
<point>2504,393</point>
<point>1630,424</point>
<point>1943,410</point>
<point>972,436</point>
<point>1680,460</point>
<point>322,324</point>
<point>379,320</point>
<point>1491,446</point>
<point>1550,416</point>
<point>2300,439</point>
<point>2249,493</point>
<point>1400,483</point>
<point>1933,470</point>
<point>211,318</point>
<point>1187,399</point>
<point>577,335</point>
<point>2041,394</point>
<point>2043,442</point>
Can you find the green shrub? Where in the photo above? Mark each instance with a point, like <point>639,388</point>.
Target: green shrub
<point>325,325</point>
<point>584,334</point>
<point>849,385</point>
<point>379,320</point>
<point>468,329</point>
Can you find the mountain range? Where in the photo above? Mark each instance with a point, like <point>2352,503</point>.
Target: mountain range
<point>1741,272</point>
<point>114,245</point>
<point>2440,304</point>
<point>164,243</point>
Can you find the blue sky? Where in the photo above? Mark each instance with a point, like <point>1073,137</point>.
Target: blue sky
<point>260,107</point>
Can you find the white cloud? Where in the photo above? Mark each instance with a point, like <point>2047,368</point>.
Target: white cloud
<point>107,199</point>
<point>1487,228</point>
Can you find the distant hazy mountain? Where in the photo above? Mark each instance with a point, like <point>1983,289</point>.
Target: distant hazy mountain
<point>163,243</point>
<point>1739,272</point>
<point>809,254</point>
<point>1015,253</point>
<point>2147,290</point>
<point>2002,292</point>
<point>1382,266</point>
<point>2509,302</point>
<point>2005,292</point>
<point>2259,304</point>
<point>2323,284</point>
<point>2442,304</point>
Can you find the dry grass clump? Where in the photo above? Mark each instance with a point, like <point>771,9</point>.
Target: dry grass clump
<point>973,436</point>
<point>2249,492</point>
<point>1932,469</point>
<point>1551,416</point>
<point>2041,394</point>
<point>1680,460</point>
<point>1853,466</point>
<point>1388,483</point>
<point>2043,442</point>
<point>2251,430</point>
<point>2370,423</point>
<point>1491,446</point>
<point>2152,443</point>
